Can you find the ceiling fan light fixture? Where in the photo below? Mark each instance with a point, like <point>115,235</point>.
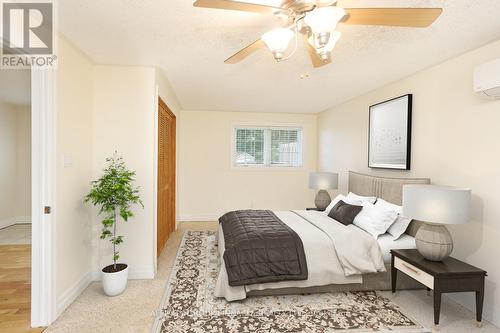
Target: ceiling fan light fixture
<point>277,41</point>
<point>324,52</point>
<point>322,38</point>
<point>325,55</point>
<point>323,21</point>
<point>332,41</point>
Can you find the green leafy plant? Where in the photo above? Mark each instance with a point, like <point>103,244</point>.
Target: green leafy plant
<point>114,194</point>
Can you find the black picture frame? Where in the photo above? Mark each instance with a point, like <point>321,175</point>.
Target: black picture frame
<point>389,133</point>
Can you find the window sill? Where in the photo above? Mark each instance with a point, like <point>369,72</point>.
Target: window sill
<point>267,168</point>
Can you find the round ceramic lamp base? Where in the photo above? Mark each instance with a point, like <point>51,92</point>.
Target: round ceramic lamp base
<point>322,199</point>
<point>434,241</point>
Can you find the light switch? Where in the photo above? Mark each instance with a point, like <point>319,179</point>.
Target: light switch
<point>67,161</point>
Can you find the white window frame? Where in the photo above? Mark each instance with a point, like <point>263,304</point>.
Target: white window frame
<point>267,127</point>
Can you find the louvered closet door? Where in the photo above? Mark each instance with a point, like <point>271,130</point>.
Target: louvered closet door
<point>166,175</point>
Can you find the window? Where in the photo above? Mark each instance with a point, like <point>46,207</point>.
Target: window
<point>268,146</point>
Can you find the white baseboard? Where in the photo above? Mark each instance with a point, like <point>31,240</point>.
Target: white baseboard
<point>14,220</point>
<point>134,273</point>
<point>199,217</point>
<point>70,295</point>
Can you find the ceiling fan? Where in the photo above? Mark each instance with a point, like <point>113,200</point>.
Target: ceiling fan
<point>316,20</point>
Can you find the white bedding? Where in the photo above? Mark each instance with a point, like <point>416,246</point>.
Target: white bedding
<point>323,262</point>
<point>387,243</point>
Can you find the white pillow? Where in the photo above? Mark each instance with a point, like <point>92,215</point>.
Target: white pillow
<point>374,220</point>
<point>386,205</point>
<point>353,196</point>
<point>337,199</point>
<point>399,227</point>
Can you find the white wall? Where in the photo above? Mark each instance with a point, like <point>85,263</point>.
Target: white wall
<point>73,142</point>
<point>210,186</point>
<point>455,142</point>
<point>15,164</point>
<point>124,120</point>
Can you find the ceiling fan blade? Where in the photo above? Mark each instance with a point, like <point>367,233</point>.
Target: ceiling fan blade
<point>315,59</point>
<point>245,52</point>
<point>236,5</point>
<point>399,17</point>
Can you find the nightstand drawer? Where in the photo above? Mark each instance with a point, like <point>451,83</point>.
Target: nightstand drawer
<point>414,272</point>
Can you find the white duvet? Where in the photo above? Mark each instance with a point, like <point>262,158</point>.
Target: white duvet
<point>335,254</point>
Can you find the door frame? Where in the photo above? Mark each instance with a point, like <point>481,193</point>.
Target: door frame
<point>43,158</point>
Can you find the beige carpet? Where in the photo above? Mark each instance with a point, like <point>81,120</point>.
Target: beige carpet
<point>133,311</point>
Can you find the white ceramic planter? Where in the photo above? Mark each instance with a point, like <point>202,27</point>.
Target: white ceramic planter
<point>114,283</point>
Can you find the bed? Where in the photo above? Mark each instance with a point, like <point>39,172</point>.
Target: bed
<point>339,272</point>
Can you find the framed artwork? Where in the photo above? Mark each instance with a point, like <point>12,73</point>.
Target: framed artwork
<point>389,143</point>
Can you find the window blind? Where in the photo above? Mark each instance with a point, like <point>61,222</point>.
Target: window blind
<point>268,146</point>
<point>249,146</point>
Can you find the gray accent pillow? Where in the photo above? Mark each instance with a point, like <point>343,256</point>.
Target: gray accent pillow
<point>344,212</point>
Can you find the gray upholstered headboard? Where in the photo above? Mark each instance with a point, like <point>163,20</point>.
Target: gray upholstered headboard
<point>389,189</point>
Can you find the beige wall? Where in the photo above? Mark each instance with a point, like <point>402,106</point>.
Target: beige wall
<point>15,164</point>
<point>23,163</point>
<point>210,186</point>
<point>101,109</point>
<point>167,94</point>
<point>73,146</point>
<point>124,120</point>
<point>8,120</point>
<point>455,142</point>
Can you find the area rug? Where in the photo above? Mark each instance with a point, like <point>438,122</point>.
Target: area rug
<point>189,304</point>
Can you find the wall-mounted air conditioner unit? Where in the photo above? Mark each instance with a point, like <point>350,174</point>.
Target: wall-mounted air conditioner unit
<point>487,79</point>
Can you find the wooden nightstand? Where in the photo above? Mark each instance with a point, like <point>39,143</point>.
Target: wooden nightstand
<point>314,208</point>
<point>447,276</point>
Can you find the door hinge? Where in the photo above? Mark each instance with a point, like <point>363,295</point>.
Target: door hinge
<point>47,209</point>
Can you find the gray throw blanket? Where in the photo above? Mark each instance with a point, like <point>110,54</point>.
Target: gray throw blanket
<point>260,248</point>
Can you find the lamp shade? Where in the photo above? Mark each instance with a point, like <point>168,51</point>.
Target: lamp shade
<point>277,40</point>
<point>323,180</point>
<point>436,204</point>
<point>324,19</point>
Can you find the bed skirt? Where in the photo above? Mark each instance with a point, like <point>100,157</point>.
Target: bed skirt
<point>375,281</point>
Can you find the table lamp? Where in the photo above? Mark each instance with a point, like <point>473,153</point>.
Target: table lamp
<point>436,206</point>
<point>323,181</point>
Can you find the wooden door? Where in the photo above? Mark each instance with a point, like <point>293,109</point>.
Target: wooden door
<point>166,175</point>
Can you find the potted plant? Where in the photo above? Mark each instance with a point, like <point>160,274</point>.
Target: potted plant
<point>114,193</point>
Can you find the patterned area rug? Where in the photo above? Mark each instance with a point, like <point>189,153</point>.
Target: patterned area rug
<point>189,304</point>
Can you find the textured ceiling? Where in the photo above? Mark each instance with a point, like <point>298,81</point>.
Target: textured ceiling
<point>190,44</point>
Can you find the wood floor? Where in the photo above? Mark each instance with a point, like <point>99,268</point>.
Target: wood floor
<point>15,289</point>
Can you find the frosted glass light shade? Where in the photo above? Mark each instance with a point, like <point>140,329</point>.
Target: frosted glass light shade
<point>277,41</point>
<point>323,180</point>
<point>436,204</point>
<point>324,19</point>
